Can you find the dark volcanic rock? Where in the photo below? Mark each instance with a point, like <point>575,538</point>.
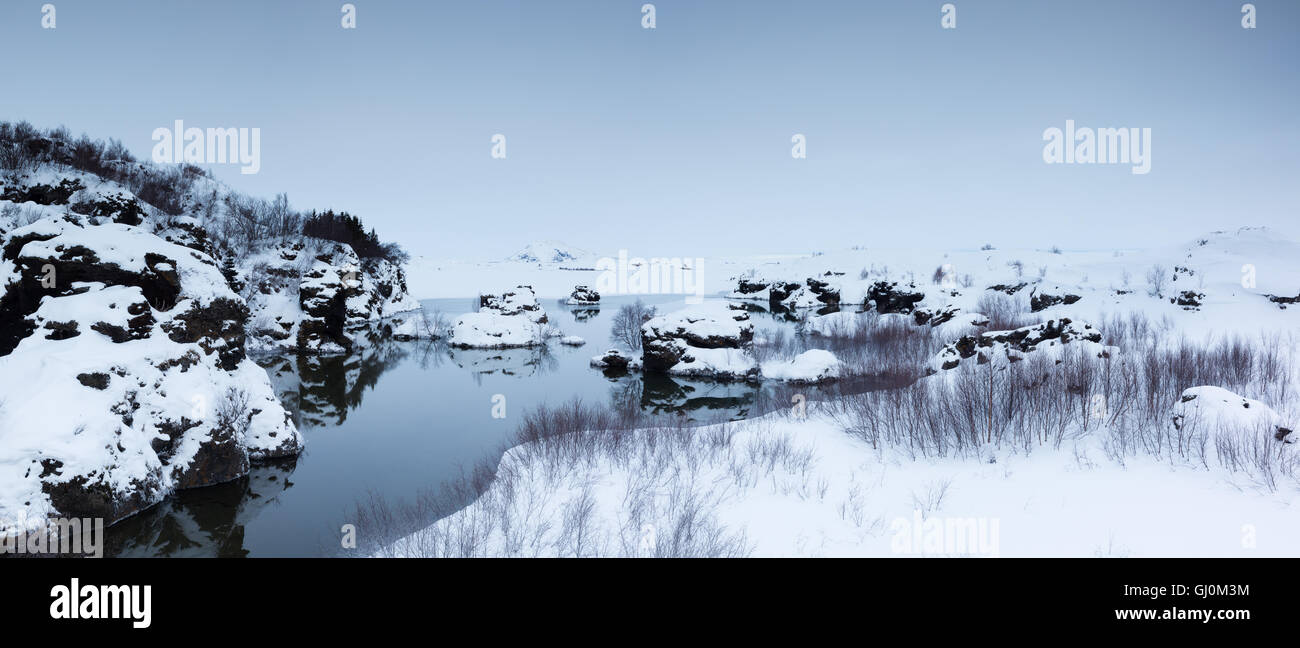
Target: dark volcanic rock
<point>1042,301</point>
<point>583,295</point>
<point>1012,344</point>
<point>888,297</point>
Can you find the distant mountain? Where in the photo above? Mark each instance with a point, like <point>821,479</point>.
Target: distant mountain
<point>549,252</point>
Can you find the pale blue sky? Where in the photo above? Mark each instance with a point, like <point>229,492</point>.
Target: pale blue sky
<point>676,141</point>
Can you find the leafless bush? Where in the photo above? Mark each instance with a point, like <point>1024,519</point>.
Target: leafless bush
<point>625,328</point>
<point>890,347</point>
<point>1157,277</point>
<point>932,498</point>
<point>773,344</point>
<point>233,413</point>
<point>434,324</point>
<point>1126,397</point>
<point>1004,312</point>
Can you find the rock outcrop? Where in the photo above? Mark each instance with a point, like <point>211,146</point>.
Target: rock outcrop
<point>890,297</point>
<point>511,319</point>
<point>123,373</point>
<point>1042,301</point>
<point>583,296</point>
<point>700,342</point>
<point>312,297</point>
<point>1049,337</point>
<point>809,292</point>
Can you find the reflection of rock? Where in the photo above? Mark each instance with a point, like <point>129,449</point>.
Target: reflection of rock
<point>321,389</point>
<point>697,399</point>
<point>584,314</point>
<point>203,523</point>
<point>507,362</point>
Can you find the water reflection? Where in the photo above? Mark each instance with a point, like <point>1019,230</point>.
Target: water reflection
<point>203,522</point>
<point>583,313</point>
<point>395,417</point>
<point>524,362</point>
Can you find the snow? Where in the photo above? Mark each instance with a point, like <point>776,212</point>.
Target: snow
<point>489,330</point>
<point>826,493</point>
<point>572,340</point>
<point>1215,409</point>
<point>711,319</point>
<point>725,363</point>
<point>811,366</point>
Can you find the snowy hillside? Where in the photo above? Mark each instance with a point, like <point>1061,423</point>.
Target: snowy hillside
<point>132,294</point>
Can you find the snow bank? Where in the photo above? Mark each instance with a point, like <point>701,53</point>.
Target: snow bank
<point>784,486</point>
<point>1215,409</point>
<point>812,366</point>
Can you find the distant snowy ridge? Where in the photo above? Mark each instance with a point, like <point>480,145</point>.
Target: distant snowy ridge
<point>551,252</point>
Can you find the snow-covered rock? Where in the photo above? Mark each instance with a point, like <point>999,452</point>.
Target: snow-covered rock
<point>1051,337</point>
<point>309,296</point>
<point>572,340</point>
<point>123,373</point>
<point>891,297</point>
<point>616,360</point>
<point>705,341</point>
<point>1215,409</point>
<point>583,296</point>
<point>511,319</point>
<point>811,366</point>
<point>809,292</point>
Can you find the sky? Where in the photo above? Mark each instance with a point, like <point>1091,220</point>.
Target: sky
<point>677,140</point>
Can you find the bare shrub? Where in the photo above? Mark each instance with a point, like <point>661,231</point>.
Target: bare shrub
<point>1004,312</point>
<point>625,328</point>
<point>1157,277</point>
<point>233,413</point>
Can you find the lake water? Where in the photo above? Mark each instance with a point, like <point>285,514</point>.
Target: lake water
<point>399,417</point>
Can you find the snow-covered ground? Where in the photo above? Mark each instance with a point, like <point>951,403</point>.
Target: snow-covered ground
<point>1236,270</point>
<point>790,484</point>
<point>785,486</point>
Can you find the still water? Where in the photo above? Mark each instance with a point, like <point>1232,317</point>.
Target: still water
<point>394,418</point>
